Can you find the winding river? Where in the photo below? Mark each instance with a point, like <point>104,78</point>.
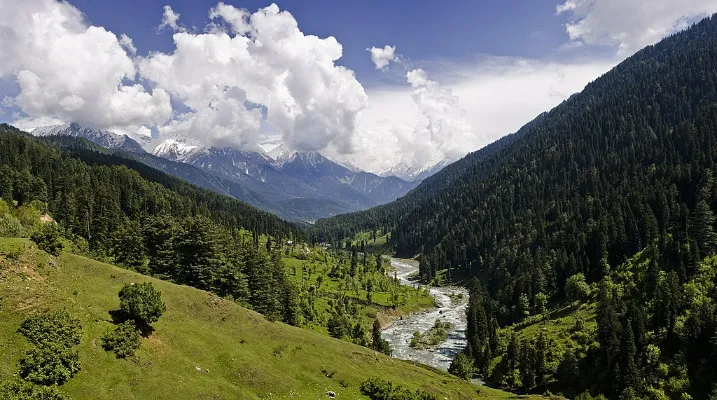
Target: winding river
<point>451,308</point>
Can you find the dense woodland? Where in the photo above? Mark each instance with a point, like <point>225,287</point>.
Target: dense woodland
<point>620,172</point>
<point>155,224</point>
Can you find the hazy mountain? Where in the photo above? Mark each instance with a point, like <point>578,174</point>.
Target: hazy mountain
<point>103,138</point>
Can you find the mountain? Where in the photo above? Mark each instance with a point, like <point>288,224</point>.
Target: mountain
<point>613,188</point>
<point>412,174</point>
<point>105,139</point>
<point>297,186</point>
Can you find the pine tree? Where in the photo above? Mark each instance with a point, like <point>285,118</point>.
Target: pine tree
<point>701,228</point>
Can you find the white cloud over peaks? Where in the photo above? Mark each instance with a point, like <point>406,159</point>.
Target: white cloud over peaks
<point>68,71</point>
<point>381,57</point>
<point>409,125</point>
<point>415,128</point>
<point>248,59</point>
<point>630,24</point>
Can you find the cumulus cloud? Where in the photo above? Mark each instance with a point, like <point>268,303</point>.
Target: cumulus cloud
<point>629,24</point>
<point>68,71</point>
<point>499,95</point>
<point>170,19</point>
<point>246,62</point>
<point>381,57</point>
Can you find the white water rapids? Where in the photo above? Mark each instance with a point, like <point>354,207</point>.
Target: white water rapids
<point>399,333</point>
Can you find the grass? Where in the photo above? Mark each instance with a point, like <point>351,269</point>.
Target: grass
<point>203,347</point>
<point>310,270</point>
<point>380,245</point>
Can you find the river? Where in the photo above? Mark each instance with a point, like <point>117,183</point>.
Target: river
<point>399,333</point>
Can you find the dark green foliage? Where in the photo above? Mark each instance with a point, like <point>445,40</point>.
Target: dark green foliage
<point>52,328</point>
<point>47,238</point>
<point>461,366</point>
<point>49,365</point>
<point>123,339</point>
<point>148,221</point>
<point>379,389</point>
<point>20,390</point>
<point>141,302</point>
<point>377,342</point>
<point>616,184</point>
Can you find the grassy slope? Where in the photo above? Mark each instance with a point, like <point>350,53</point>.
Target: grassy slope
<point>241,355</point>
<point>410,300</point>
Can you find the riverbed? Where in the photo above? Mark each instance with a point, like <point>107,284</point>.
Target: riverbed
<point>451,304</point>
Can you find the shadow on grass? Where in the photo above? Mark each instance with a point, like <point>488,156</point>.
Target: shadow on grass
<point>119,316</point>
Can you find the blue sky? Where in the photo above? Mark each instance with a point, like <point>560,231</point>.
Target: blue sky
<point>457,74</point>
<point>421,29</point>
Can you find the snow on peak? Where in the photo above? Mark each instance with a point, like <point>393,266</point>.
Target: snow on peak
<point>176,150</point>
<point>103,138</point>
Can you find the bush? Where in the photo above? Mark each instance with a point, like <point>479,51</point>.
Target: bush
<point>141,302</point>
<point>461,366</point>
<point>49,365</point>
<point>10,226</point>
<point>124,340</point>
<point>20,390</point>
<point>52,328</point>
<point>47,238</point>
<point>379,389</point>
<point>576,289</point>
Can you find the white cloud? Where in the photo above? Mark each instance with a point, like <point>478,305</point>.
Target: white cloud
<point>170,20</point>
<point>264,59</point>
<point>381,57</point>
<point>68,71</point>
<point>127,43</point>
<point>630,24</point>
<point>476,103</point>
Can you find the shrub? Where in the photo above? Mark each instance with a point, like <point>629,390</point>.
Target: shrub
<point>10,226</point>
<point>21,390</point>
<point>47,238</point>
<point>461,366</point>
<point>141,302</point>
<point>379,389</point>
<point>52,328</point>
<point>576,289</point>
<point>49,365</point>
<point>124,339</point>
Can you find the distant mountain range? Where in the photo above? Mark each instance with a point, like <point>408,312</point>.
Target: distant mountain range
<point>295,186</point>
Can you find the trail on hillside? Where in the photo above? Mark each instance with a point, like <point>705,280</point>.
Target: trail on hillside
<point>452,302</point>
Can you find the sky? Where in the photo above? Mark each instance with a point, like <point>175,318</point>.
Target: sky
<point>374,84</point>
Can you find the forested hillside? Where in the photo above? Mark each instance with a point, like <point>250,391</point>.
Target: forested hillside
<point>145,220</point>
<point>625,167</point>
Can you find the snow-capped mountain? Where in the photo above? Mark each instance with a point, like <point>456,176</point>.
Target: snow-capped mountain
<point>103,138</point>
<point>412,174</point>
<point>295,185</point>
<point>176,150</point>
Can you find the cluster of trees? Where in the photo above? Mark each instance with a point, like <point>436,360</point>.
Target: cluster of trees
<point>347,280</point>
<point>625,165</point>
<point>140,306</point>
<point>149,222</point>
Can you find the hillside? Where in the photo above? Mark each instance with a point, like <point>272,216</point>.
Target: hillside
<point>623,170</point>
<point>202,347</point>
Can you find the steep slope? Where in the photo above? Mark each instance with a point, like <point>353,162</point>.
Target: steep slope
<point>614,187</point>
<point>202,347</point>
<point>574,170</point>
<point>105,139</point>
